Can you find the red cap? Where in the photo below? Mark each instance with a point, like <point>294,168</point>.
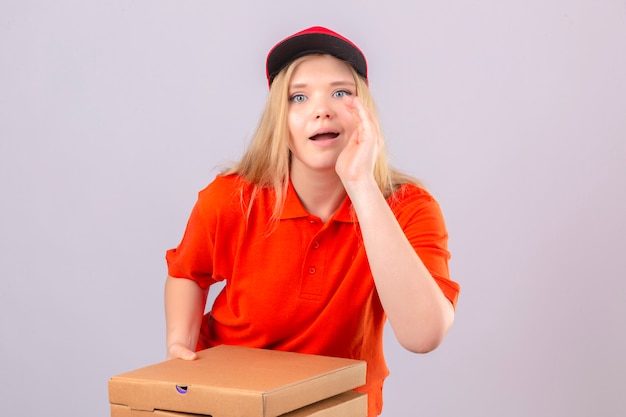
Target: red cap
<point>314,40</point>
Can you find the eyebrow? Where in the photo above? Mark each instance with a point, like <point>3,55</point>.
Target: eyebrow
<point>333,84</point>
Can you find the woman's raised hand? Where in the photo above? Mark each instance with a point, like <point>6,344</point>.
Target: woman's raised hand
<point>356,162</point>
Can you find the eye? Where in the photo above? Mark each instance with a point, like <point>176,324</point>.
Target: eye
<point>298,98</point>
<point>341,93</point>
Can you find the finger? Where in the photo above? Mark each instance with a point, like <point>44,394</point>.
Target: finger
<point>356,108</point>
<point>181,352</point>
<point>367,125</point>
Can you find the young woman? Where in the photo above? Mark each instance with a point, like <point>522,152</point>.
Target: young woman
<point>319,240</point>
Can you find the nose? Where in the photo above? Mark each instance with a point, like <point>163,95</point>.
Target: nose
<point>323,110</point>
<point>323,114</point>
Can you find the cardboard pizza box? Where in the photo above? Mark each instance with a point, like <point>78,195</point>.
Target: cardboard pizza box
<point>346,404</point>
<point>236,381</point>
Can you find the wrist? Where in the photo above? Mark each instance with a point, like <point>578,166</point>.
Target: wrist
<point>362,192</point>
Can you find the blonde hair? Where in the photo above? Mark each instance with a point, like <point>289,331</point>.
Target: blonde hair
<point>266,162</point>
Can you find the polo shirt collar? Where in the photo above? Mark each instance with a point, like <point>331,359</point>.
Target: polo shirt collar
<point>294,209</point>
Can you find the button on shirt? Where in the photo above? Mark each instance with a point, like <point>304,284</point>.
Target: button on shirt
<point>300,285</point>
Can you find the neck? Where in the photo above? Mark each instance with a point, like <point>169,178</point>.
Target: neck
<point>320,193</point>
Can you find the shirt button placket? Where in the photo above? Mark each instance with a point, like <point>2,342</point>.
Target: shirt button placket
<point>314,245</point>
<point>313,281</point>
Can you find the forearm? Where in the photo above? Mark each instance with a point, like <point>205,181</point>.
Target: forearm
<point>184,309</point>
<point>417,309</point>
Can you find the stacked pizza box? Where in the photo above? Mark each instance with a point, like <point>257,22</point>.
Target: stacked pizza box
<point>235,381</point>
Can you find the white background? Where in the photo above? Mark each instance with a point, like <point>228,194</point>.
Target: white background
<point>113,114</point>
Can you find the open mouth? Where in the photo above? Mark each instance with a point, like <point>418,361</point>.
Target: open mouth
<point>324,136</point>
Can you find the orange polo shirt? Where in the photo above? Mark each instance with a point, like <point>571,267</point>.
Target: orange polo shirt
<point>306,286</point>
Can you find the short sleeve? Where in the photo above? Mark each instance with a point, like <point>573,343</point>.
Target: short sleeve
<point>422,221</point>
<point>194,257</point>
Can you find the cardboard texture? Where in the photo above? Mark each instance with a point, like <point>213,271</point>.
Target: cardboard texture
<point>347,404</point>
<point>236,381</point>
